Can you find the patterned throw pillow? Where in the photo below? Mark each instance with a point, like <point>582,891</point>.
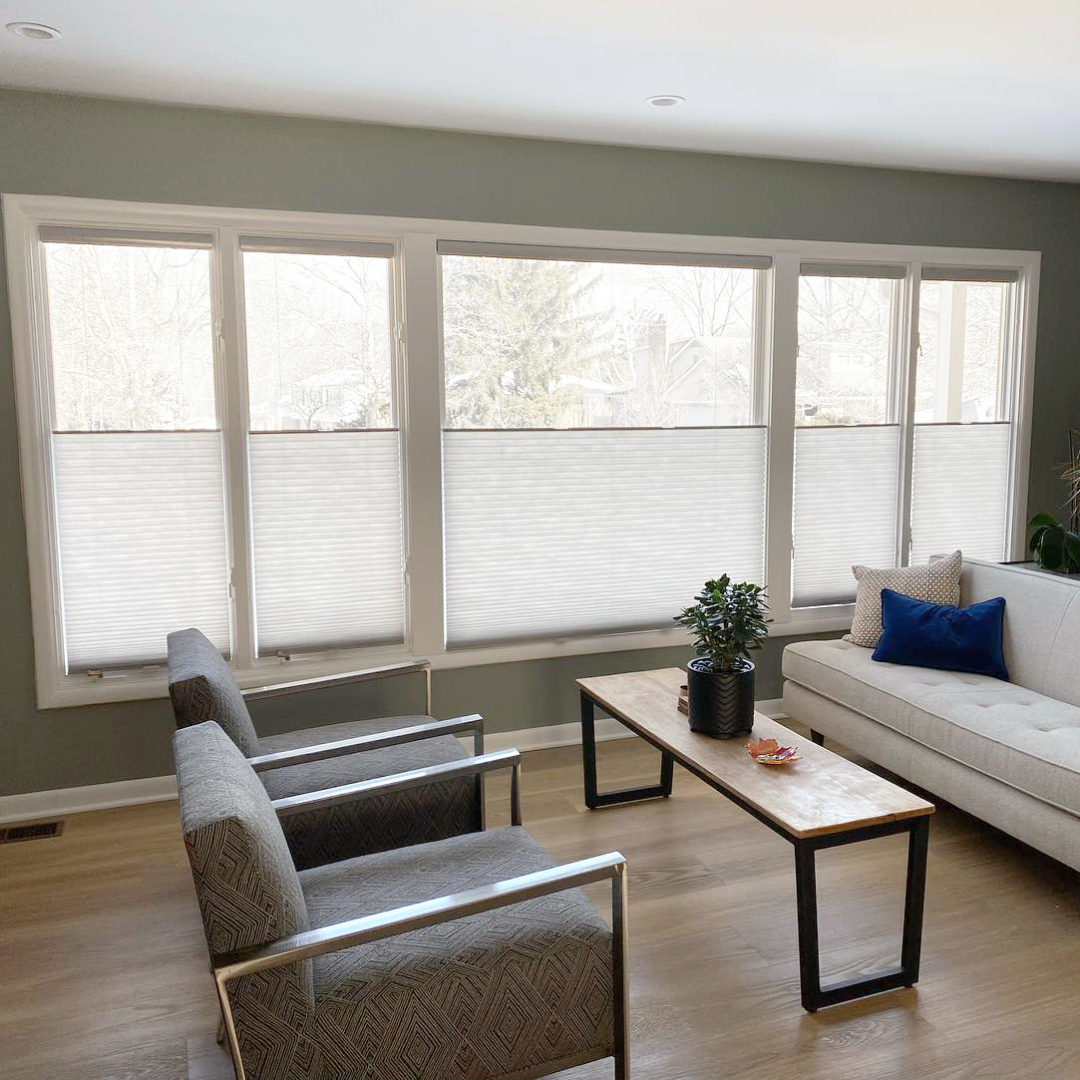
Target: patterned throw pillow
<point>937,583</point>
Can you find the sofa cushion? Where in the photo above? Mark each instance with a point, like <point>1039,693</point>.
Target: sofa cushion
<point>202,687</point>
<point>414,816</point>
<point>1024,739</point>
<point>938,582</point>
<point>492,995</point>
<point>942,636</point>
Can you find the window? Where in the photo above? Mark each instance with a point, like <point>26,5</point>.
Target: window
<point>151,531</point>
<point>136,446</point>
<point>847,439</point>
<point>593,409</point>
<point>326,500</point>
<point>334,441</point>
<point>960,479</point>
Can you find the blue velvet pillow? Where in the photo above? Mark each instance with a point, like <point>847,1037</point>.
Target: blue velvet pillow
<point>942,636</point>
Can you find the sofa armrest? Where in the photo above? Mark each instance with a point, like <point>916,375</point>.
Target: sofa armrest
<point>414,733</point>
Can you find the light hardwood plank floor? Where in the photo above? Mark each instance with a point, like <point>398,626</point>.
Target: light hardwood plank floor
<point>105,971</point>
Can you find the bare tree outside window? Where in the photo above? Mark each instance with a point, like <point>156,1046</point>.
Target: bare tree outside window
<point>961,345</point>
<point>130,333</point>
<point>561,344</point>
<point>318,341</point>
<point>842,374</point>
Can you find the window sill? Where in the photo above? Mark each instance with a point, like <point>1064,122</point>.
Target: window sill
<point>72,691</point>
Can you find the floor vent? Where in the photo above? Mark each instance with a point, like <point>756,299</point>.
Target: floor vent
<point>14,833</point>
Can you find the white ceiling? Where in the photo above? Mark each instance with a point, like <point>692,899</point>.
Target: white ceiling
<point>983,86</point>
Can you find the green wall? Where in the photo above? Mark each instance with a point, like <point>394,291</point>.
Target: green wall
<point>106,149</point>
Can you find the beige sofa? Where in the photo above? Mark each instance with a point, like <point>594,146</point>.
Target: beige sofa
<point>1007,752</point>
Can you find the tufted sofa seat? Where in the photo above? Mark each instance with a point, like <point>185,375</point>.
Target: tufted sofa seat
<point>969,737</point>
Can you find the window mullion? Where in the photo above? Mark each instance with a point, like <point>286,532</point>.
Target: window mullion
<point>231,360</point>
<point>421,421</point>
<point>781,351</point>
<point>1018,361</point>
<point>905,362</point>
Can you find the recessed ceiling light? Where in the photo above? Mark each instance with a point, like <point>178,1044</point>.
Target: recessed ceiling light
<point>665,101</point>
<point>33,31</point>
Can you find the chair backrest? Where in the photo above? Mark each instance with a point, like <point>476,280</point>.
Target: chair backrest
<point>202,687</point>
<point>248,888</point>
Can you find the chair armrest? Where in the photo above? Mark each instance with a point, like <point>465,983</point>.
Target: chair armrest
<point>387,785</point>
<point>321,751</point>
<point>402,920</point>
<point>322,682</point>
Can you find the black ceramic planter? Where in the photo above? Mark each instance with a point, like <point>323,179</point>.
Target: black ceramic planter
<point>721,702</point>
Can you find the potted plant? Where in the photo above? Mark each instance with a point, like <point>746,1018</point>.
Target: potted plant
<point>728,622</point>
<point>1054,545</point>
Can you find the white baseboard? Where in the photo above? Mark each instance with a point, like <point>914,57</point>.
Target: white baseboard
<point>76,800</point>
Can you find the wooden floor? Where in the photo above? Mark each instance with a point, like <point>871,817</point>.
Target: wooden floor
<point>105,973</point>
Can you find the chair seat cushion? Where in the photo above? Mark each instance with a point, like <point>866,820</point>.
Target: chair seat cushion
<point>1024,739</point>
<point>491,995</point>
<point>415,816</point>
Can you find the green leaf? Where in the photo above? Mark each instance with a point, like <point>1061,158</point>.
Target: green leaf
<point>1042,519</point>
<point>1038,536</point>
<point>1051,552</point>
<point>1072,550</point>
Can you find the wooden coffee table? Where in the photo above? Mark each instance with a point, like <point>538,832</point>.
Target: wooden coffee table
<point>821,801</point>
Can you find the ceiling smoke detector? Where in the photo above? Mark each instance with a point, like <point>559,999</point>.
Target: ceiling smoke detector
<point>665,101</point>
<point>33,31</point>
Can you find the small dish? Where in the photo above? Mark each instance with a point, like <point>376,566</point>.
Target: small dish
<point>770,752</point>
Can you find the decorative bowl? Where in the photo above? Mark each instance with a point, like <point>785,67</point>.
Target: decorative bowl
<point>770,752</point>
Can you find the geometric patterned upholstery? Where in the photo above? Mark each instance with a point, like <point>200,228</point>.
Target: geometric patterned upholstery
<point>517,991</point>
<point>513,992</point>
<point>248,889</point>
<point>202,687</point>
<point>414,816</point>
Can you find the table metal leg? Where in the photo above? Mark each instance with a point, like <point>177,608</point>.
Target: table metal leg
<point>814,995</point>
<point>914,899</point>
<point>595,799</point>
<point>806,910</point>
<point>667,772</point>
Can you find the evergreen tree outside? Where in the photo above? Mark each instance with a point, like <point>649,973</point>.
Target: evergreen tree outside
<point>516,333</point>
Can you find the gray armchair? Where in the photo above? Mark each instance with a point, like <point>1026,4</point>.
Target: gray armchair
<point>202,687</point>
<point>470,958</point>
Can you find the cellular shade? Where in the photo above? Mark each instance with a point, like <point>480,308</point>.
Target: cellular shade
<point>142,543</point>
<point>560,533</point>
<point>969,273</point>
<point>327,529</point>
<point>845,509</point>
<point>855,270</point>
<point>959,490</point>
<point>293,246</point>
<point>602,255</point>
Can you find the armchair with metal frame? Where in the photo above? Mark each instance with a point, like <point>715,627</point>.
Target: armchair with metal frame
<point>202,687</point>
<point>416,961</point>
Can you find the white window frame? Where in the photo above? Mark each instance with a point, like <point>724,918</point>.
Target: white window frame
<point>418,327</point>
